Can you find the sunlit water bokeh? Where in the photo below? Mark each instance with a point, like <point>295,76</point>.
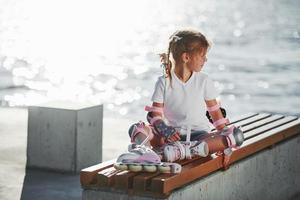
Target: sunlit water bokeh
<point>106,52</point>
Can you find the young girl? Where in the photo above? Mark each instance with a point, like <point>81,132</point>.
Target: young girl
<point>180,101</point>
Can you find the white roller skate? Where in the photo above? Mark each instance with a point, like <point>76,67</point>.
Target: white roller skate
<point>143,158</point>
<point>185,150</point>
<point>180,150</point>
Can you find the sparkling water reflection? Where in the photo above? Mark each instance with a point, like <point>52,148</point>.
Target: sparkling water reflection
<point>103,53</point>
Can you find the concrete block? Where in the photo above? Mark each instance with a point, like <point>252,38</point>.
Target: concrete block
<point>64,136</point>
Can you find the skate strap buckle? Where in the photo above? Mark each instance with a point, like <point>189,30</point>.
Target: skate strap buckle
<point>182,149</point>
<point>226,157</point>
<point>187,148</point>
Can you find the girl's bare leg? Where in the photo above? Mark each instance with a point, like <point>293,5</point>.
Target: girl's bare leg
<point>215,142</point>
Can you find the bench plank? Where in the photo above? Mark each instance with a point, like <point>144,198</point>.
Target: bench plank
<point>283,131</point>
<point>269,126</point>
<point>262,122</point>
<point>88,176</point>
<point>106,177</point>
<point>124,180</point>
<point>142,182</point>
<point>165,183</point>
<point>243,117</point>
<point>251,120</point>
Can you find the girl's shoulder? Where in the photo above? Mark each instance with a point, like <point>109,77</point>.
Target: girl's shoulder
<point>161,80</point>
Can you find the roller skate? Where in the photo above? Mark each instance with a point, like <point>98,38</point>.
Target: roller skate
<point>143,158</point>
<point>140,156</point>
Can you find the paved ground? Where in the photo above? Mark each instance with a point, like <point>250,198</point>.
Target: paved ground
<point>18,183</point>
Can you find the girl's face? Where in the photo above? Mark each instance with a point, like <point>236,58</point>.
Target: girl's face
<point>197,60</point>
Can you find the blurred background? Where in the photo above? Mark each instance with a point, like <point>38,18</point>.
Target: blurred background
<point>106,52</point>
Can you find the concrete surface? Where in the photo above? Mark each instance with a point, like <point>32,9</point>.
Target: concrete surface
<point>18,183</point>
<point>64,136</point>
<point>270,175</point>
<point>13,129</point>
<point>50,185</point>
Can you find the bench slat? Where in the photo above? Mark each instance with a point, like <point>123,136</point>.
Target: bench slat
<point>285,130</point>
<point>88,176</point>
<point>262,122</point>
<point>142,182</point>
<point>242,117</point>
<point>251,120</point>
<point>124,180</point>
<point>106,177</point>
<point>269,126</point>
<point>161,184</point>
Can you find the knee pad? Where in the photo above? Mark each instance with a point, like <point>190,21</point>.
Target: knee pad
<point>140,128</point>
<point>234,136</point>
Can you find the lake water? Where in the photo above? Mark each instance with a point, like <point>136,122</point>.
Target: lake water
<point>107,52</point>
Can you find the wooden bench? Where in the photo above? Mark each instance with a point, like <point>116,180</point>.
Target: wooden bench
<point>261,131</point>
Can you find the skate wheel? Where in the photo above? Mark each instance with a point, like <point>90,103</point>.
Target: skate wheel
<point>120,166</point>
<point>150,168</point>
<point>135,167</point>
<point>164,168</point>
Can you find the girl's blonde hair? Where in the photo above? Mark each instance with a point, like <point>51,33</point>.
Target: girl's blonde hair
<point>184,41</point>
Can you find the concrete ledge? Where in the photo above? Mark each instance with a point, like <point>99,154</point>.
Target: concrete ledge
<point>273,173</point>
<point>64,136</point>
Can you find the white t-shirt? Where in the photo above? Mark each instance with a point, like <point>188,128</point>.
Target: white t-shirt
<point>184,103</point>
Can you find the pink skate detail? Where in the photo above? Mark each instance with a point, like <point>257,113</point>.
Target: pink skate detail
<point>140,128</point>
<point>220,122</point>
<point>152,158</point>
<point>154,109</point>
<point>213,108</point>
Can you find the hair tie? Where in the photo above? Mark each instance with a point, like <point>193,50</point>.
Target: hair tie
<point>176,38</point>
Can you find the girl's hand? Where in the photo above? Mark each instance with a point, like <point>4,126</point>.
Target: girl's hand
<point>168,132</point>
<point>173,138</point>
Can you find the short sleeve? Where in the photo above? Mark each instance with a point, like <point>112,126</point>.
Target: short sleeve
<point>158,94</point>
<point>210,91</point>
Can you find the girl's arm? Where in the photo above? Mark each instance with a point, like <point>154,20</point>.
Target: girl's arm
<point>216,114</point>
<point>160,105</point>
